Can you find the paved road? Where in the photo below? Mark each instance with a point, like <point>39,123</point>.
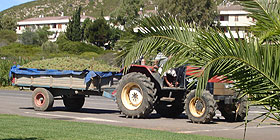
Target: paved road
<point>104,111</point>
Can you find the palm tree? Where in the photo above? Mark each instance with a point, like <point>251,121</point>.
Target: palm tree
<point>253,63</point>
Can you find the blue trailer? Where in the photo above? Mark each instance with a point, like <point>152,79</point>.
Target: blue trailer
<point>69,85</point>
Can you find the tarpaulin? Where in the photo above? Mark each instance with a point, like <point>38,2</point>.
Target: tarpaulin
<point>88,74</point>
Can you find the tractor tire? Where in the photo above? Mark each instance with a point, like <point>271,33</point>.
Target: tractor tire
<point>234,112</point>
<point>170,109</point>
<point>200,110</point>
<point>135,95</point>
<point>42,99</point>
<point>73,103</point>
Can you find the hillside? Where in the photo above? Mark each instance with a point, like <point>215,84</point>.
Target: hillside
<point>56,7</point>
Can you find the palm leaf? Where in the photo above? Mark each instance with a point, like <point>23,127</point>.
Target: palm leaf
<point>266,12</point>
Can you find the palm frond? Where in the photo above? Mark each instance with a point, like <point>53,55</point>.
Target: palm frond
<point>253,67</point>
<point>175,38</point>
<point>266,13</point>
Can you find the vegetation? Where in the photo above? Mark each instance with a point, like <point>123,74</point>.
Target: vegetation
<point>7,37</point>
<point>202,12</point>
<point>127,12</point>
<point>17,127</point>
<point>5,66</point>
<point>70,63</point>
<point>99,32</point>
<point>73,31</point>
<point>253,65</point>
<point>35,37</point>
<point>7,23</point>
<point>56,7</point>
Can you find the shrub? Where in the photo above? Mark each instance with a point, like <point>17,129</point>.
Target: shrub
<point>8,36</point>
<point>78,47</point>
<point>5,66</point>
<point>49,47</point>
<point>16,50</point>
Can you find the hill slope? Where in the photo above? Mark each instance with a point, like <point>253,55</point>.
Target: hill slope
<point>56,7</point>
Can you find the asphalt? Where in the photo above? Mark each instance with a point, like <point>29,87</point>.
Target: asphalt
<point>101,110</point>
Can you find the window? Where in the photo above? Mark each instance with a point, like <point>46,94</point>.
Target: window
<point>59,26</point>
<point>224,18</point>
<point>235,18</point>
<point>54,26</point>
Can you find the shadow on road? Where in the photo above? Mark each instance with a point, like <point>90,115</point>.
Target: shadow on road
<point>83,110</point>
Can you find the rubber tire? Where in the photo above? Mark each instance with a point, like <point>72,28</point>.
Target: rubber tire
<point>228,111</point>
<point>210,107</point>
<point>49,99</point>
<point>170,110</point>
<point>73,103</point>
<point>144,82</point>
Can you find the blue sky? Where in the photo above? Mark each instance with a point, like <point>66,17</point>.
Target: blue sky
<point>5,4</point>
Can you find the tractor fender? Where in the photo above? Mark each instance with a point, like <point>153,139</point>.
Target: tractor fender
<point>149,71</point>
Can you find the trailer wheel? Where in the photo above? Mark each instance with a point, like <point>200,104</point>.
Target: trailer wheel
<point>170,109</point>
<point>73,103</point>
<point>234,112</point>
<point>42,99</point>
<point>200,110</point>
<point>135,95</point>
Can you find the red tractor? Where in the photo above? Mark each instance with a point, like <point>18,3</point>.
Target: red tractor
<point>142,89</point>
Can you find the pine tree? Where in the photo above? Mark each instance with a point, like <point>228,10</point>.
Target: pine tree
<point>73,31</point>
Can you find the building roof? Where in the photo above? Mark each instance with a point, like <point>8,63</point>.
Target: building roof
<point>49,20</point>
<point>230,9</point>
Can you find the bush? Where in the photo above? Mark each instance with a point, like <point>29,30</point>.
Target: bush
<point>16,50</point>
<point>5,66</point>
<point>89,55</point>
<point>78,47</point>
<point>49,47</point>
<point>8,36</point>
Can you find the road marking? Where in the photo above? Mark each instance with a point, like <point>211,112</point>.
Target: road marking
<point>79,118</point>
<point>226,129</point>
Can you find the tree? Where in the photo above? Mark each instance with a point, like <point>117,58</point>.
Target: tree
<point>127,12</point>
<point>29,37</point>
<point>99,32</point>
<point>43,34</point>
<point>8,23</point>
<point>85,28</point>
<point>253,66</point>
<point>202,12</point>
<point>73,31</point>
<point>35,37</point>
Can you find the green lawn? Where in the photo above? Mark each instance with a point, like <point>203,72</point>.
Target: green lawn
<point>14,127</point>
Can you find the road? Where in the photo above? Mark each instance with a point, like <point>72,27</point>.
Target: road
<point>104,111</point>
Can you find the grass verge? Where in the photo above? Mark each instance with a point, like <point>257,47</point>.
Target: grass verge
<point>27,128</point>
<point>9,88</point>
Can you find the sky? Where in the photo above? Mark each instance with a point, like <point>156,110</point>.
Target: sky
<point>5,4</point>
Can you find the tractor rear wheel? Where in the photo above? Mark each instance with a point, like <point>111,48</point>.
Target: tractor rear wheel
<point>135,95</point>
<point>234,112</point>
<point>200,110</point>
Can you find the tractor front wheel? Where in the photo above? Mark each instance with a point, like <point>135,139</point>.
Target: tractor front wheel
<point>200,109</point>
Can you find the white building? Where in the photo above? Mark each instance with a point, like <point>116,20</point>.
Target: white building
<point>56,24</point>
<point>234,18</point>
